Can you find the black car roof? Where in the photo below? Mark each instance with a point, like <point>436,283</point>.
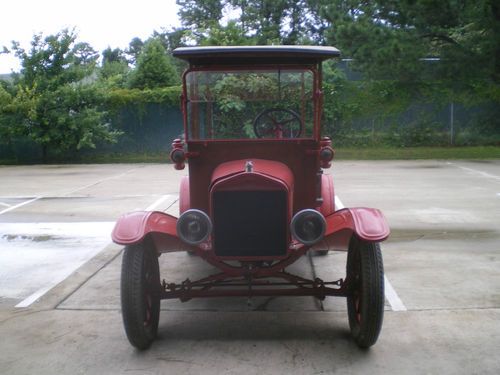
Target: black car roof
<point>249,55</point>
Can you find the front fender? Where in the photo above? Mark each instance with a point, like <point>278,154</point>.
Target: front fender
<point>131,228</point>
<point>369,224</point>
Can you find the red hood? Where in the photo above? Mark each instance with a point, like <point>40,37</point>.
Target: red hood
<point>266,168</point>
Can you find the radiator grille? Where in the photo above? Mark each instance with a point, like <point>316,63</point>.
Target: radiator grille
<point>250,224</point>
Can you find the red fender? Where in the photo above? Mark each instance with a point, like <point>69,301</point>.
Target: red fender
<point>184,199</point>
<point>328,195</point>
<point>369,224</point>
<point>131,228</point>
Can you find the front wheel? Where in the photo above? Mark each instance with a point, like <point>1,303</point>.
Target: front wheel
<point>140,294</point>
<point>365,304</point>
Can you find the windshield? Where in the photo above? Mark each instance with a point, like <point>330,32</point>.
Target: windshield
<point>249,104</point>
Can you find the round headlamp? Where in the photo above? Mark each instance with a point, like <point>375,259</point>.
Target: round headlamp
<point>308,226</point>
<point>194,227</point>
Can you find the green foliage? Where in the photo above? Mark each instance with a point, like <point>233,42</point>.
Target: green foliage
<point>154,68</point>
<point>117,98</point>
<point>114,68</point>
<point>228,103</point>
<point>7,114</point>
<point>390,43</point>
<point>54,103</point>
<point>230,35</point>
<point>64,102</point>
<point>202,13</point>
<point>389,37</point>
<point>412,153</point>
<point>69,119</point>
<point>134,49</point>
<point>264,21</point>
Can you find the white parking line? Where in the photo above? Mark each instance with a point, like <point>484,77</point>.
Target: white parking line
<point>392,297</point>
<point>104,179</point>
<point>19,205</point>
<point>48,252</point>
<point>390,294</point>
<point>162,199</point>
<point>74,229</point>
<point>476,171</point>
<point>39,293</point>
<point>338,204</point>
<point>5,204</point>
<point>69,193</point>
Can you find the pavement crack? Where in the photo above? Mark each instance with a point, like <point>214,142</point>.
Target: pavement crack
<point>22,314</point>
<point>95,271</point>
<point>139,369</point>
<point>318,302</point>
<point>263,305</point>
<point>168,359</point>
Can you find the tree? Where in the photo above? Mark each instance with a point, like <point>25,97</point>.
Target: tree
<point>7,128</point>
<point>134,49</point>
<point>265,21</point>
<point>230,35</point>
<point>55,102</point>
<point>393,40</point>
<point>114,67</point>
<point>202,14</point>
<point>273,21</point>
<point>154,67</point>
<point>389,38</point>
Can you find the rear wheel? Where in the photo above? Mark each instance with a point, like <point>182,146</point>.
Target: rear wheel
<point>140,294</point>
<point>365,305</point>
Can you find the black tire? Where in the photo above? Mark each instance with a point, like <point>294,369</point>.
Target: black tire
<point>140,294</point>
<point>365,305</point>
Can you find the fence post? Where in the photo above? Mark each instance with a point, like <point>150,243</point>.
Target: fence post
<point>451,123</point>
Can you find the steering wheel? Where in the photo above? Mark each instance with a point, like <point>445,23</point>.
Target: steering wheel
<point>277,123</point>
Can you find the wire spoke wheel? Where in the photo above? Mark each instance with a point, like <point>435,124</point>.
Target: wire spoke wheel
<point>365,304</point>
<point>140,294</point>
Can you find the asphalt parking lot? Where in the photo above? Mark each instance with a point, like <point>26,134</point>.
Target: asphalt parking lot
<point>59,278</point>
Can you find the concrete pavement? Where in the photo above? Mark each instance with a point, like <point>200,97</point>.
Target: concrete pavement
<point>442,261</point>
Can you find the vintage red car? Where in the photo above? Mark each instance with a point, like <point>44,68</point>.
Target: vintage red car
<point>256,198</point>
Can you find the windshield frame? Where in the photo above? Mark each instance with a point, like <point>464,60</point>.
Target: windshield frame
<point>315,69</point>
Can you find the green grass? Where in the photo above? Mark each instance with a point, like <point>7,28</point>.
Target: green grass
<point>361,153</point>
<point>412,153</point>
<point>153,157</point>
<point>114,158</point>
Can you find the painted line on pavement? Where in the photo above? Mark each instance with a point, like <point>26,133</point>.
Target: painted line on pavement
<point>338,204</point>
<point>76,230</point>
<point>39,293</point>
<point>476,171</point>
<point>104,179</point>
<point>392,297</point>
<point>162,199</point>
<point>19,205</point>
<point>71,192</point>
<point>5,204</point>
<point>390,293</point>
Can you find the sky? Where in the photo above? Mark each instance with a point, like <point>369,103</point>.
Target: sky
<point>101,23</point>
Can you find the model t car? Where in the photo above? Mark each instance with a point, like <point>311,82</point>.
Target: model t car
<point>256,198</point>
